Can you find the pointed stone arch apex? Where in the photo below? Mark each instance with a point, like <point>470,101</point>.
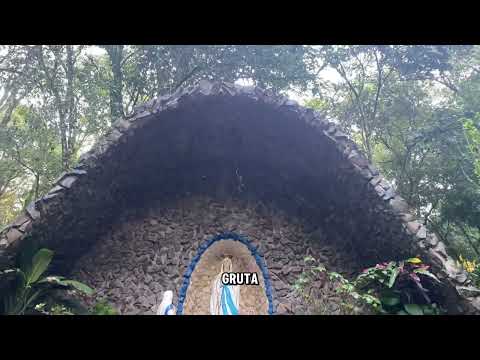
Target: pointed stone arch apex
<point>92,184</point>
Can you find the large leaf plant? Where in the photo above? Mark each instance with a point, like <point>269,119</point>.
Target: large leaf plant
<point>29,284</point>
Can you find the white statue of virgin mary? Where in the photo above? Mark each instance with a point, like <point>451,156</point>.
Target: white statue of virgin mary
<point>225,299</point>
<point>166,307</point>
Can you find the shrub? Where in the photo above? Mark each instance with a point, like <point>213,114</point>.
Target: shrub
<point>104,308</point>
<point>56,309</point>
<point>399,287</point>
<point>28,286</point>
<point>472,268</point>
<point>386,288</point>
<point>319,300</point>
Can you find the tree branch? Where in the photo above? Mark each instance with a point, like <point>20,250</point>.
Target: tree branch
<point>187,77</point>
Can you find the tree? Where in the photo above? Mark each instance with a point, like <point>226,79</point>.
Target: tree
<point>367,72</point>
<point>139,73</point>
<point>406,106</point>
<point>55,100</point>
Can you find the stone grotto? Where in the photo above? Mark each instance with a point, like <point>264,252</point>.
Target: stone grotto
<point>219,169</point>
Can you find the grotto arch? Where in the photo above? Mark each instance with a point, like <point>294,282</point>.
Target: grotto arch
<point>231,142</point>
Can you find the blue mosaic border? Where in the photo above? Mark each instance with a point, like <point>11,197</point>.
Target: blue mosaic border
<point>226,236</point>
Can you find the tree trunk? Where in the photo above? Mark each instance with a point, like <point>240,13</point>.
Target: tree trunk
<point>69,114</point>
<point>115,53</point>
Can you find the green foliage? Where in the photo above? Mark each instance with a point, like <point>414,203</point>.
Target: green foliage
<point>30,285</point>
<point>56,100</point>
<point>56,309</point>
<point>104,308</point>
<point>60,310</point>
<point>354,302</point>
<point>40,262</point>
<point>472,134</point>
<point>472,268</point>
<point>412,109</point>
<point>31,159</point>
<point>392,288</point>
<point>399,287</point>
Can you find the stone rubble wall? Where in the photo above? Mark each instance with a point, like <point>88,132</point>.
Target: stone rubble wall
<point>148,251</point>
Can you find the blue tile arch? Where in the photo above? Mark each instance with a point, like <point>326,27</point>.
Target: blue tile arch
<point>226,236</point>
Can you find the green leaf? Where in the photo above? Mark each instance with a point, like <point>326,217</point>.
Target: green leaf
<point>40,263</point>
<point>428,310</point>
<point>104,308</point>
<point>22,280</point>
<point>25,257</point>
<point>32,298</point>
<point>390,301</point>
<point>60,280</point>
<point>426,273</point>
<point>393,277</point>
<point>402,312</point>
<point>319,268</point>
<point>77,285</point>
<point>413,309</point>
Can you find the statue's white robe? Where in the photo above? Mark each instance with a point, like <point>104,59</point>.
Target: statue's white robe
<point>166,307</point>
<point>216,307</point>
